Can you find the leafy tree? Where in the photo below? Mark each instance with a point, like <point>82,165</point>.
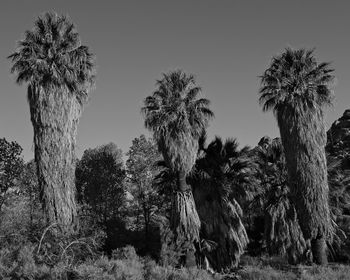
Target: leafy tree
<point>11,166</point>
<point>177,116</point>
<point>297,88</point>
<point>141,170</point>
<point>100,184</point>
<point>30,187</point>
<point>59,72</point>
<point>221,179</point>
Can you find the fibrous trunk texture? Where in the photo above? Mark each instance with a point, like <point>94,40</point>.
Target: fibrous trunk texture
<point>303,137</point>
<point>54,115</point>
<point>184,220</point>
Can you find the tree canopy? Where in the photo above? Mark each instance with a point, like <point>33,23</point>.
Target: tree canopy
<point>100,178</point>
<point>11,166</point>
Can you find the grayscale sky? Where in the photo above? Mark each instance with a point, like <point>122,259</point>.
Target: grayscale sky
<point>226,44</point>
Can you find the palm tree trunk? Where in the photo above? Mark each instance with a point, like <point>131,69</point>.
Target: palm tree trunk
<point>54,115</point>
<point>303,137</point>
<point>184,220</point>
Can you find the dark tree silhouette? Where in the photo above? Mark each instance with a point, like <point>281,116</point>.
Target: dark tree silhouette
<point>282,234</point>
<point>221,179</point>
<point>100,176</point>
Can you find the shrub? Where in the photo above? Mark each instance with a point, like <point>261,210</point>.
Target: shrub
<point>338,272</point>
<point>265,273</point>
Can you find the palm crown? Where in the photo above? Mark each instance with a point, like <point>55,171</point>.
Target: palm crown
<point>51,56</point>
<point>228,166</point>
<point>221,179</point>
<point>296,80</point>
<point>177,116</point>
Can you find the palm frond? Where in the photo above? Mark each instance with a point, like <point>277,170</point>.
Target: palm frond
<point>51,56</point>
<point>177,118</point>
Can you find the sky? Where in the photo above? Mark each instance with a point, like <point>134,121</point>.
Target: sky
<point>226,44</point>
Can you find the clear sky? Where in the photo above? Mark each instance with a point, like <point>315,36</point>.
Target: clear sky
<point>225,44</point>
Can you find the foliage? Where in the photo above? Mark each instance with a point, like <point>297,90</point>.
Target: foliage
<point>15,225</point>
<point>303,273</point>
<point>29,187</point>
<point>283,235</point>
<point>339,198</point>
<point>295,80</point>
<point>222,177</point>
<point>297,88</point>
<point>277,268</point>
<point>52,56</point>
<point>22,218</point>
<point>11,166</point>
<point>59,71</point>
<point>287,177</point>
<point>100,183</point>
<point>177,116</point>
<point>141,171</point>
<point>124,265</point>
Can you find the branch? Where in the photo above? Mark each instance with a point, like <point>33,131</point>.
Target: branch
<point>42,237</point>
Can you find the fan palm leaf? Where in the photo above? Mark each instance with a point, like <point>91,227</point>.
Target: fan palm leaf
<point>283,235</point>
<point>220,180</point>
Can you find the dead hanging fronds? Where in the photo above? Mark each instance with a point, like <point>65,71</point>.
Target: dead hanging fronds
<point>180,151</point>
<point>184,217</point>
<point>221,177</point>
<point>283,235</point>
<point>177,115</point>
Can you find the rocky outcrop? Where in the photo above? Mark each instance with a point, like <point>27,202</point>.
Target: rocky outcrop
<point>338,137</point>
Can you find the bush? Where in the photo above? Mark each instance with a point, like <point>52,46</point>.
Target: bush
<point>265,273</point>
<point>338,272</point>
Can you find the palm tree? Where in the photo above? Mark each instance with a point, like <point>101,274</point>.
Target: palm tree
<point>177,116</point>
<point>221,179</point>
<point>297,88</point>
<point>59,71</point>
<point>283,235</point>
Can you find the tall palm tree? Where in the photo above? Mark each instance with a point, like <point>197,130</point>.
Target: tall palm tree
<point>177,116</point>
<point>221,178</point>
<point>297,88</point>
<point>59,71</point>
